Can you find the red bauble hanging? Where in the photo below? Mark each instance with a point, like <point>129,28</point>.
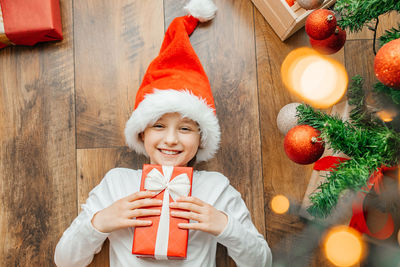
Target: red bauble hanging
<point>321,24</point>
<point>303,145</point>
<point>387,64</point>
<point>332,44</point>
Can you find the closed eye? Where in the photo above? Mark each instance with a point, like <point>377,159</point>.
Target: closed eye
<point>158,126</point>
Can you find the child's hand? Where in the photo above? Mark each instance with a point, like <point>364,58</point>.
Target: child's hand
<point>122,213</point>
<point>209,219</point>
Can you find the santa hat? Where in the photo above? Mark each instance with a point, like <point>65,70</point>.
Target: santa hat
<point>175,81</point>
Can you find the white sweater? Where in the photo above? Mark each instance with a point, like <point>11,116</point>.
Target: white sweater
<point>245,245</point>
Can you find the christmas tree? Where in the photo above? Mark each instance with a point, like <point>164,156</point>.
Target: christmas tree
<point>370,141</point>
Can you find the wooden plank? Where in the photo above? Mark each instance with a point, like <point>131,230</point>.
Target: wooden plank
<point>114,45</point>
<point>37,151</point>
<point>281,176</point>
<point>225,47</point>
<point>386,22</point>
<point>360,65</point>
<point>92,165</point>
<point>108,78</point>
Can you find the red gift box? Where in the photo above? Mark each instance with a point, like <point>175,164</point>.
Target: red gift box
<point>27,22</point>
<point>163,239</point>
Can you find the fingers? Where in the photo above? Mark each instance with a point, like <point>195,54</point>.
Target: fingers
<point>143,199</point>
<point>191,206</point>
<point>138,223</point>
<point>191,199</point>
<point>187,215</point>
<point>144,212</point>
<point>145,203</point>
<point>205,227</point>
<point>193,226</point>
<point>140,195</point>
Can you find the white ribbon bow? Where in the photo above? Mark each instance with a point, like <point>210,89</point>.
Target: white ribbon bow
<point>179,186</point>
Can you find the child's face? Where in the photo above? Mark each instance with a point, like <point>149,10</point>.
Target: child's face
<point>172,140</point>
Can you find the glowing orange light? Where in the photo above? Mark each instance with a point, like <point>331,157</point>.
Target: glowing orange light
<point>386,115</point>
<point>343,246</point>
<point>398,237</point>
<point>280,204</point>
<point>315,78</point>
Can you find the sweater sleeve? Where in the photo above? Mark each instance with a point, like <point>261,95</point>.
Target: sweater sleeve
<point>245,244</point>
<point>81,240</point>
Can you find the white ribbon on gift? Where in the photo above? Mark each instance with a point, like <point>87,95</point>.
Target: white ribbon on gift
<point>3,37</point>
<point>179,186</point>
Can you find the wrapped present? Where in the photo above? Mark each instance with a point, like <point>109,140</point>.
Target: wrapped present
<point>163,239</point>
<point>285,20</point>
<point>27,22</point>
<point>359,220</point>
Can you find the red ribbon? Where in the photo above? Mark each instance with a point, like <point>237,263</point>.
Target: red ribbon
<point>358,220</point>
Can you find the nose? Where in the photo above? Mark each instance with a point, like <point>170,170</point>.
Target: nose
<point>171,137</point>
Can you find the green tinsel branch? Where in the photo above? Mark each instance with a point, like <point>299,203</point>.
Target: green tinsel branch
<point>368,149</point>
<point>389,35</point>
<point>350,174</point>
<point>360,115</point>
<point>354,14</point>
<point>363,116</point>
<point>388,91</point>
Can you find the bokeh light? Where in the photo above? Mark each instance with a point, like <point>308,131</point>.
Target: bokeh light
<point>343,246</point>
<point>398,238</point>
<point>317,79</point>
<point>386,115</point>
<point>280,204</point>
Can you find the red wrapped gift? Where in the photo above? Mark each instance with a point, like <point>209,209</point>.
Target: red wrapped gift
<point>27,22</point>
<point>163,239</point>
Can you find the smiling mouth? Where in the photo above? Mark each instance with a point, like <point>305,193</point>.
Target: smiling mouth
<point>169,152</point>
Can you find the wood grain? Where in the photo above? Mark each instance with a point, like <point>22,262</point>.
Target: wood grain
<point>37,152</point>
<point>105,96</point>
<point>356,65</point>
<point>124,36</point>
<point>386,22</point>
<point>92,165</point>
<point>281,176</point>
<point>51,158</point>
<point>225,47</point>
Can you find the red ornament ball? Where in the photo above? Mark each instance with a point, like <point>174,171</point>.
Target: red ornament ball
<point>332,44</point>
<point>303,145</point>
<point>290,2</point>
<point>321,24</point>
<point>387,64</point>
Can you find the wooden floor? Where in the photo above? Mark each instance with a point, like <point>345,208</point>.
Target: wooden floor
<point>63,108</point>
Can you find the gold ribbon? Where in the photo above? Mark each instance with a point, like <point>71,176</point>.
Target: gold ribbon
<point>3,37</point>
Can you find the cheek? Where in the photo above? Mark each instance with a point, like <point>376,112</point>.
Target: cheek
<point>193,142</point>
<point>149,138</point>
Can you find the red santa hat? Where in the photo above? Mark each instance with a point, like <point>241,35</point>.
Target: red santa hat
<point>175,81</point>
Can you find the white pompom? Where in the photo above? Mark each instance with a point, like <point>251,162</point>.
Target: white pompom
<point>286,118</point>
<point>203,10</point>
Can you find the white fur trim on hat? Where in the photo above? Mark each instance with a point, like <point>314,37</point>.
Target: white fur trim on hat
<point>203,10</point>
<point>154,105</point>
